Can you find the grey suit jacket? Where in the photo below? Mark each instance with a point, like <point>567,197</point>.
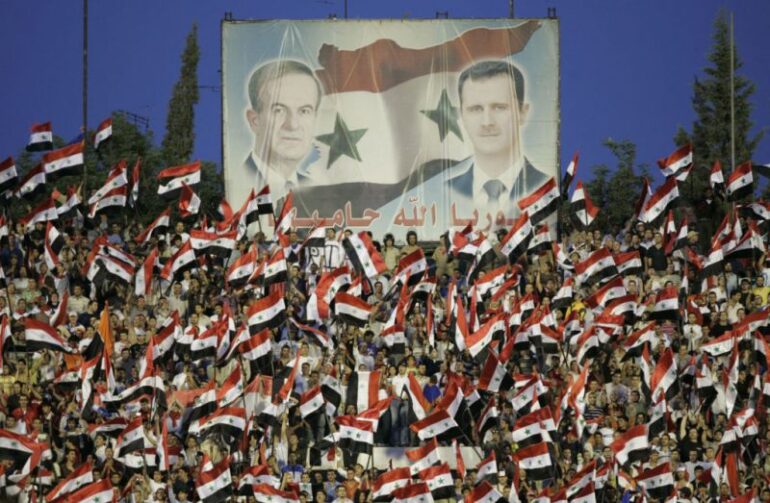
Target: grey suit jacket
<point>529,179</point>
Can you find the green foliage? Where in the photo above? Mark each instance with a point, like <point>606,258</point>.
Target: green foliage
<point>711,130</point>
<point>179,139</point>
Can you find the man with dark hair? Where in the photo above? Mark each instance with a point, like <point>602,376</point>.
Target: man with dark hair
<point>493,110</point>
<point>283,104</point>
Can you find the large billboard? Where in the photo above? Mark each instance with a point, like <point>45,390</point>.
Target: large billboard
<point>392,125</point>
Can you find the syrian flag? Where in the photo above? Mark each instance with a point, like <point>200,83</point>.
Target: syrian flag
<point>717,178</point>
<point>440,481</point>
<point>540,243</point>
<point>634,343</point>
<point>143,279</point>
<point>221,245</point>
<point>389,481</point>
<point>170,180</point>
<point>114,269</point>
<point>363,389</point>
<point>44,212</point>
<point>9,175</point>
<point>64,161</point>
<point>679,240</point>
<point>534,427</point>
<point>132,438</point>
<point>536,461</point>
<point>494,376</point>
<point>410,269</point>
<point>266,493</point>
<point>479,340</point>
<point>363,255</point>
<point>264,201</point>
<point>352,309</point>
<point>418,492</point>
<point>103,132</point>
<point>189,202</point>
<point>598,266</point>
<point>583,209</point>
<point>215,485</point>
<point>439,425</point>
<point>355,434</point>
<point>116,198</point>
<point>135,178</point>
<point>256,474</point>
<point>160,224</point>
<point>541,203</point>
<point>423,457</point>
<point>179,262</point>
<point>69,209</point>
<point>613,289</point>
<point>98,492</point>
<point>657,482</point>
<point>563,297</point>
<point>311,402</point>
<point>569,175</point>
<point>32,182</point>
<point>751,245</point>
<point>54,242</point>
<point>275,270</point>
<point>515,243</point>
<point>678,164</point>
<point>487,467</point>
<point>740,183</point>
<point>267,312</point>
<point>239,272</point>
<point>666,305</point>
<point>227,422</point>
<point>40,138</point>
<point>631,446</point>
<point>660,201</point>
<point>664,377</point>
<point>80,477</point>
<point>40,336</point>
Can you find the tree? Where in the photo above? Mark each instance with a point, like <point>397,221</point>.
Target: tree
<point>179,139</point>
<point>711,131</point>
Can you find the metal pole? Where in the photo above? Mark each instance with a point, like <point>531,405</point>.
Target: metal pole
<point>85,90</point>
<point>732,89</point>
<point>511,9</point>
<point>346,9</point>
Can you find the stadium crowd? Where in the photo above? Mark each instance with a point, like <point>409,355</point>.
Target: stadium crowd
<point>167,363</point>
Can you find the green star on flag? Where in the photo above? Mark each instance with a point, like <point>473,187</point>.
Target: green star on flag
<point>445,116</point>
<point>342,141</point>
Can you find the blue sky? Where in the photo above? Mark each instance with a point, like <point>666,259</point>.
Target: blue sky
<point>626,67</point>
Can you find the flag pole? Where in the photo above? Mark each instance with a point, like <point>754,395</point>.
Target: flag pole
<point>732,89</point>
<point>85,90</point>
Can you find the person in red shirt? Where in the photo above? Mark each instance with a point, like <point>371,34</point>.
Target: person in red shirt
<point>25,411</point>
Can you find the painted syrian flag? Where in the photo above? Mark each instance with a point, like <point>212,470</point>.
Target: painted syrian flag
<point>536,461</point>
<point>658,482</point>
<point>116,198</point>
<point>666,305</point>
<point>179,262</point>
<point>189,202</point>
<point>363,255</point>
<point>583,209</point>
<point>170,180</point>
<point>267,312</point>
<point>439,425</point>
<point>678,164</point>
<point>355,434</point>
<point>494,377</point>
<point>40,336</point>
<point>352,309</point>
<point>103,132</point>
<point>631,446</point>
<point>54,242</point>
<point>389,481</point>
<point>515,243</point>
<point>569,175</point>
<point>418,492</point>
<point>664,377</point>
<point>221,245</point>
<point>64,161</point>
<point>439,479</point>
<point>215,485</point>
<point>40,137</point>
<point>32,182</point>
<point>541,203</point>
<point>740,183</point>
<point>660,201</point>
<point>717,178</point>
<point>9,174</point>
<point>159,225</point>
<point>98,492</point>
<point>423,457</point>
<point>266,493</point>
<point>600,265</point>
<point>80,477</point>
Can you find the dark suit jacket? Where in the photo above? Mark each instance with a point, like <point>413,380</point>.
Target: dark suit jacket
<point>529,179</point>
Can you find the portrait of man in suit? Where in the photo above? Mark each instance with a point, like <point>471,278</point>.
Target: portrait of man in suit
<point>493,110</point>
<point>283,104</point>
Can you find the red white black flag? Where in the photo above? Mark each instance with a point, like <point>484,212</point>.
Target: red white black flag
<point>740,183</point>
<point>103,132</point>
<point>40,138</point>
<point>170,180</point>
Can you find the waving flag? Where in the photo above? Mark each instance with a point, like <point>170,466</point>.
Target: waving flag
<point>40,137</point>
